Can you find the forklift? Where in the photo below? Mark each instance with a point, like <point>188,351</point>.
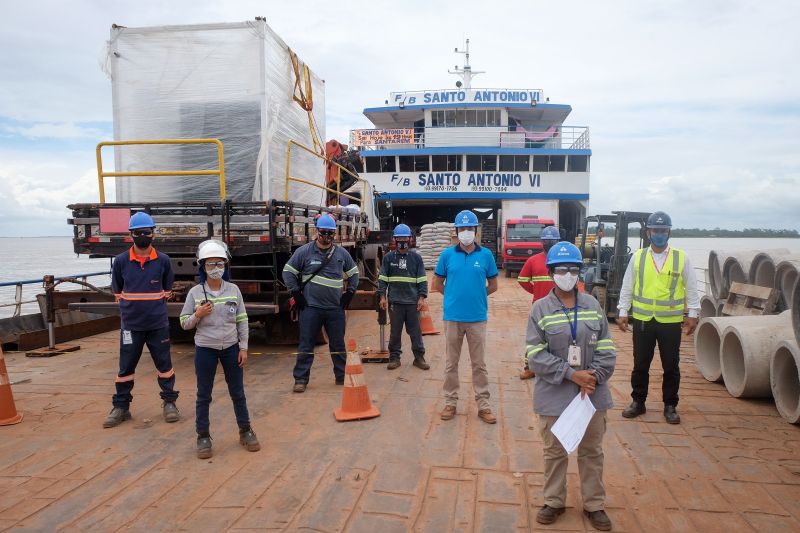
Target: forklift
<point>606,257</point>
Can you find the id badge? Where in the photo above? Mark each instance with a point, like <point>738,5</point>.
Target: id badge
<point>126,337</point>
<point>574,355</point>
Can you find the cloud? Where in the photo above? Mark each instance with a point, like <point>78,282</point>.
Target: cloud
<point>62,130</point>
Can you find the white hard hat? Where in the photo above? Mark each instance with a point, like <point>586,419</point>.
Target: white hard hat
<point>212,248</point>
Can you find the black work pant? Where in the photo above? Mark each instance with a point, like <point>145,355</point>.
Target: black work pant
<point>646,334</point>
<point>407,314</point>
<point>312,319</point>
<point>131,344</point>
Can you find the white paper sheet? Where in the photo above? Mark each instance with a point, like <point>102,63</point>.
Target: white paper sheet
<point>571,425</point>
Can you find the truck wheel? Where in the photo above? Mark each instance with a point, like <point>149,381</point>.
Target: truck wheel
<point>599,294</point>
<point>508,273</point>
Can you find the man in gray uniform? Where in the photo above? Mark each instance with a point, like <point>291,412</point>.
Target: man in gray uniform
<point>314,277</point>
<point>403,278</point>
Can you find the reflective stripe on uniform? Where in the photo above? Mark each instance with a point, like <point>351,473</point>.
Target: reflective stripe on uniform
<point>422,279</point>
<point>540,278</point>
<point>522,279</point>
<point>535,348</point>
<point>605,345</point>
<point>241,317</point>
<point>166,375</point>
<point>671,308</point>
<point>559,318</point>
<point>352,271</point>
<point>400,279</point>
<point>124,379</point>
<point>326,282</point>
<point>290,268</point>
<point>142,296</point>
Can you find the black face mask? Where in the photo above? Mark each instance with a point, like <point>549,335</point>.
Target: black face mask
<point>402,245</point>
<point>142,241</point>
<point>547,245</point>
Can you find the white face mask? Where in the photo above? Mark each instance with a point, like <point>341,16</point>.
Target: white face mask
<point>565,282</point>
<point>215,273</point>
<point>466,237</point>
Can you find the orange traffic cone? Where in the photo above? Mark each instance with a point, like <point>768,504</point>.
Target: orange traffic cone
<point>426,322</point>
<point>356,404</point>
<point>8,411</point>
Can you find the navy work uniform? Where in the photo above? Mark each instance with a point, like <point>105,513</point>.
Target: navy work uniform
<point>403,277</point>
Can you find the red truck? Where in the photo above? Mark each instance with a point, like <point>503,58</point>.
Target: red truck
<point>521,241</point>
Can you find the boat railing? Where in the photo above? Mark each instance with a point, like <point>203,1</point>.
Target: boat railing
<point>19,284</point>
<point>552,138</point>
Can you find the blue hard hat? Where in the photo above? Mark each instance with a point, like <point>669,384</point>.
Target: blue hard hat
<point>466,219</point>
<point>550,233</point>
<point>564,252</point>
<point>401,230</point>
<point>659,219</point>
<point>141,220</point>
<point>326,221</point>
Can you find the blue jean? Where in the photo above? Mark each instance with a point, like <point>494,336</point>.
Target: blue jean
<point>205,365</point>
<point>311,320</point>
<point>131,344</point>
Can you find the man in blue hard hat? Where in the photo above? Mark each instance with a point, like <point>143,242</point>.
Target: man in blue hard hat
<point>403,287</point>
<point>466,274</point>
<point>314,277</point>
<point>657,282</point>
<point>141,279</point>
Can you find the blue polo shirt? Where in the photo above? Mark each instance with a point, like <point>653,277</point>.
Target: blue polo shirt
<point>465,274</point>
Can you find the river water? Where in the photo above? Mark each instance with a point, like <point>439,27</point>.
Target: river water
<point>32,257</point>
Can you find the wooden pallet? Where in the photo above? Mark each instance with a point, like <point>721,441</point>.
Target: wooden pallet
<point>746,300</point>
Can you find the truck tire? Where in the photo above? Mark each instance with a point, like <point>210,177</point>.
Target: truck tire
<point>599,294</point>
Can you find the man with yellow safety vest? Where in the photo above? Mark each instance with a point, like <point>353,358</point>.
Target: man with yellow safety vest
<point>656,283</point>
<point>141,279</point>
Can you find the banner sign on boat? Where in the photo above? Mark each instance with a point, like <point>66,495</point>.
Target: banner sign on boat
<point>466,96</point>
<point>431,184</point>
<point>382,137</point>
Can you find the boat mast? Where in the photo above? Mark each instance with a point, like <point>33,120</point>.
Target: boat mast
<point>466,71</point>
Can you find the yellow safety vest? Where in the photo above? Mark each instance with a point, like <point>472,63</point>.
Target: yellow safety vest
<point>658,295</point>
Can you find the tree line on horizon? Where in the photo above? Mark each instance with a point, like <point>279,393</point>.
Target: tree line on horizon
<point>747,232</point>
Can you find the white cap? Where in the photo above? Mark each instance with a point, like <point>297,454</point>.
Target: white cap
<point>212,248</point>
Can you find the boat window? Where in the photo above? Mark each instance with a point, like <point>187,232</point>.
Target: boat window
<point>523,232</point>
<point>450,118</point>
<point>473,162</point>
<point>492,117</point>
<point>437,118</point>
<point>380,164</point>
<point>453,162</point>
<point>406,163</point>
<point>541,163</point>
<point>517,163</point>
<point>421,163</point>
<point>521,163</point>
<point>558,163</point>
<point>489,162</point>
<point>388,164</point>
<point>445,163</point>
<point>578,163</point>
<point>506,162</point>
<point>461,117</point>
<point>373,164</point>
<point>472,117</point>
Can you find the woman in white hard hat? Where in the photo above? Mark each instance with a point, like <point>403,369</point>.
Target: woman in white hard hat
<point>215,307</point>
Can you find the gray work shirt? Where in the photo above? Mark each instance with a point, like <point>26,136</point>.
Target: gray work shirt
<point>325,289</point>
<point>548,339</point>
<point>225,326</point>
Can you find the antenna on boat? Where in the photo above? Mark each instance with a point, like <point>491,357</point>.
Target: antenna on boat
<point>466,71</point>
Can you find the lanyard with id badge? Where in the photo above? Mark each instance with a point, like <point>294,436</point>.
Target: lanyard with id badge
<point>574,352</point>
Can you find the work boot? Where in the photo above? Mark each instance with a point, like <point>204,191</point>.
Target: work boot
<point>487,416</point>
<point>117,416</point>
<point>204,446</point>
<point>548,515</point>
<point>448,412</point>
<point>599,520</point>
<point>248,439</point>
<point>171,413</point>
<point>671,415</point>
<point>394,363</point>
<point>299,387</point>
<point>634,409</point>
<point>527,373</point>
<point>420,363</point>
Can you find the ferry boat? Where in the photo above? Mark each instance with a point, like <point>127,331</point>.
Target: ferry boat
<point>505,153</point>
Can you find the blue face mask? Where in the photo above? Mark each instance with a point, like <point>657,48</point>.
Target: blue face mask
<point>659,239</point>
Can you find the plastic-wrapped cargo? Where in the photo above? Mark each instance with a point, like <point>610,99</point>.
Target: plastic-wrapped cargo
<point>231,81</point>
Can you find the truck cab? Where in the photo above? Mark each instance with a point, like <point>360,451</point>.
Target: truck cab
<point>521,241</point>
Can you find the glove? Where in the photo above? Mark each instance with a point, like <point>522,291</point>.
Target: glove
<point>299,300</point>
<point>345,300</point>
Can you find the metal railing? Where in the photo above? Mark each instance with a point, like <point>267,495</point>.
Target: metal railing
<point>339,169</point>
<point>220,171</point>
<point>18,285</point>
<point>562,138</point>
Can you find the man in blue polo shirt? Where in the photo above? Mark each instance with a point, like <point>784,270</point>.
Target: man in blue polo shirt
<point>466,274</point>
<point>141,279</point>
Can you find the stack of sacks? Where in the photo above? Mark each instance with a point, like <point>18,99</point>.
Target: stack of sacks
<point>433,239</point>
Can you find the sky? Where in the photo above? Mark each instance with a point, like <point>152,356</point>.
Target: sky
<point>693,105</point>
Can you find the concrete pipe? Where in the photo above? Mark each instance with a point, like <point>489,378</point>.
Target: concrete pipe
<point>735,269</point>
<point>786,274</point>
<point>762,269</point>
<point>716,258</point>
<point>784,378</point>
<point>745,355</point>
<point>795,311</point>
<point>708,307</point>
<point>720,307</point>
<point>708,340</point>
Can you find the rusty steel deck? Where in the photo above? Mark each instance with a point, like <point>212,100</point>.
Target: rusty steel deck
<point>732,465</point>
